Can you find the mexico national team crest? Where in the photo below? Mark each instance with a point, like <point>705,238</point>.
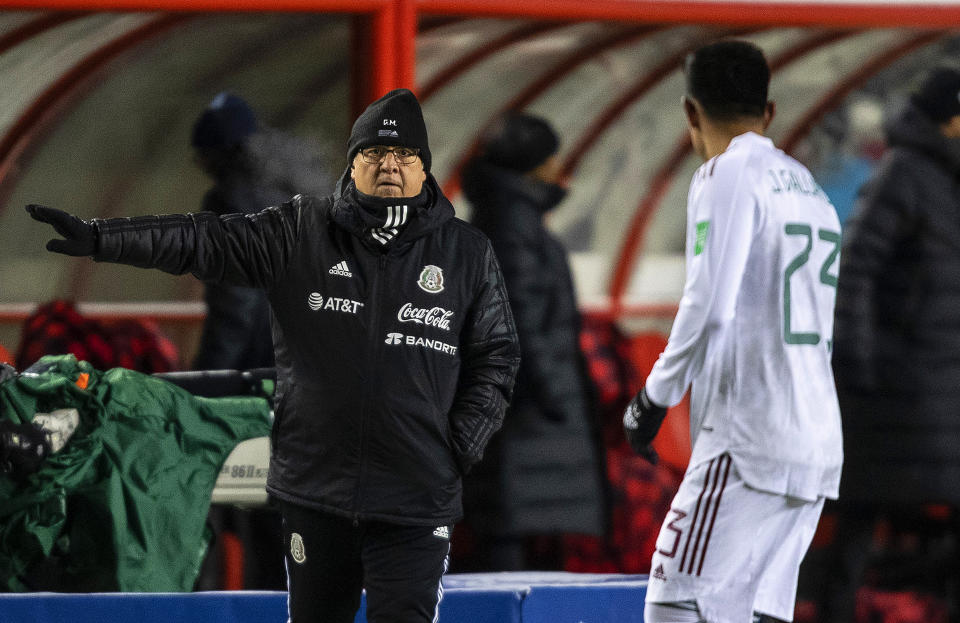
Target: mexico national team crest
<point>297,551</point>
<point>431,279</point>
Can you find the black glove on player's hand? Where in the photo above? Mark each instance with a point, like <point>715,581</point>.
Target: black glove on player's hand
<point>81,236</point>
<point>641,421</point>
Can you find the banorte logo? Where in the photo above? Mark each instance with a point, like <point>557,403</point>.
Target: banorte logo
<point>396,339</point>
<point>429,316</point>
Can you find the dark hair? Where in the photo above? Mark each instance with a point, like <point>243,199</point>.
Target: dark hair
<point>938,96</point>
<point>225,123</point>
<point>729,79</point>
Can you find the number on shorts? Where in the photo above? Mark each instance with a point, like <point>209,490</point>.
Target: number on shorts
<point>671,525</point>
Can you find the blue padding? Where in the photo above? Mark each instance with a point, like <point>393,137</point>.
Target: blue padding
<point>462,605</point>
<point>606,603</point>
<point>468,598</point>
<point>222,607</point>
<point>457,606</point>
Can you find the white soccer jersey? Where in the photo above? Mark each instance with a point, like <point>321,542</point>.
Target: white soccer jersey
<point>753,331</point>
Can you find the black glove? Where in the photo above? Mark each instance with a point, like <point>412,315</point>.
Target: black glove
<point>23,448</point>
<point>81,236</point>
<point>641,421</point>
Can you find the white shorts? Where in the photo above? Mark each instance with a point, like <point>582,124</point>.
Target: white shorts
<point>732,549</point>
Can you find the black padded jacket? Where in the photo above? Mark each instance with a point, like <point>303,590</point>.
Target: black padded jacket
<point>896,350</point>
<point>544,473</point>
<point>394,366</point>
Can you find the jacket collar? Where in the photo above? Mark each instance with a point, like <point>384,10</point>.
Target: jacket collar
<point>488,185</point>
<point>432,211</point>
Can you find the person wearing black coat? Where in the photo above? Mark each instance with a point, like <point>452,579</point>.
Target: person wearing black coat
<point>252,166</point>
<point>543,474</point>
<point>896,352</point>
<point>396,354</point>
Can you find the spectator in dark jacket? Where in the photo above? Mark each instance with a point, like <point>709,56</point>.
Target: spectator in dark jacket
<point>897,333</point>
<point>543,474</point>
<point>396,355</point>
<point>251,166</point>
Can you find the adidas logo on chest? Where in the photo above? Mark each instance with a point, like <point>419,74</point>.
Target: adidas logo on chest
<point>340,269</point>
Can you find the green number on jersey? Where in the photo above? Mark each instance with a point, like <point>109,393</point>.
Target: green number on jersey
<point>832,237</point>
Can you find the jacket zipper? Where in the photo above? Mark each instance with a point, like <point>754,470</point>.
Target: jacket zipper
<point>373,350</point>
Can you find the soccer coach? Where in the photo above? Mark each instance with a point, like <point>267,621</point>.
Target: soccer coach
<point>396,355</point>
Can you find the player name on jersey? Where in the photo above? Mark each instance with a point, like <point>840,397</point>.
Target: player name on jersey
<point>788,180</point>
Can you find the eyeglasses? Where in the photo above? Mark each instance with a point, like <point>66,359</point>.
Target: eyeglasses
<point>376,155</point>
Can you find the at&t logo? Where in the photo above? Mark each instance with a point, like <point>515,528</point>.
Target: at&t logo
<point>316,301</point>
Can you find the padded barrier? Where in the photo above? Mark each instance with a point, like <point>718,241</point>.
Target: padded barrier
<point>222,607</point>
<point>553,597</point>
<point>468,598</point>
<point>622,603</point>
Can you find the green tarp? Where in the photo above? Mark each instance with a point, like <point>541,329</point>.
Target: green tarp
<point>122,506</point>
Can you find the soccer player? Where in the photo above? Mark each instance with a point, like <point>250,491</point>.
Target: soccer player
<point>753,338</point>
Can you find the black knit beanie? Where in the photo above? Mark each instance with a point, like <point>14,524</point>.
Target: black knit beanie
<point>226,121</point>
<point>939,94</point>
<point>395,120</point>
<point>519,141</point>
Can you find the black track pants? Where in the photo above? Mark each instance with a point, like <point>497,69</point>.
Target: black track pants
<point>329,559</point>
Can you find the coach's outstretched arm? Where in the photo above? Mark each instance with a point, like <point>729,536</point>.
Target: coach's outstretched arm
<point>246,250</point>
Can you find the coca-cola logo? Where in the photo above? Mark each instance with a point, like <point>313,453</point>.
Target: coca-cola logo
<point>436,317</point>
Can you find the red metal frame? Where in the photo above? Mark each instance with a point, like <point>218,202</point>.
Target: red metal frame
<point>843,89</point>
<point>389,58</point>
<point>563,67</point>
<point>491,47</point>
<point>51,103</point>
<point>393,61</point>
<point>385,51</point>
<point>393,27</point>
<point>614,111</point>
<point>744,12</point>
<point>35,27</point>
<point>663,179</point>
<point>194,6</point>
<point>633,239</point>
